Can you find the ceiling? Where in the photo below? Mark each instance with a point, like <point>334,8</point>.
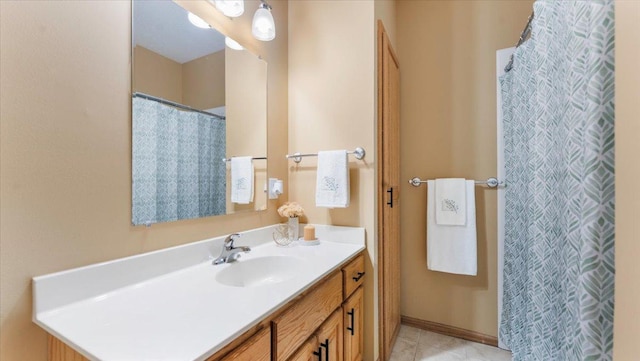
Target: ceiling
<point>162,27</point>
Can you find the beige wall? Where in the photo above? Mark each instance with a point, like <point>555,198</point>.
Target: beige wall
<point>199,83</point>
<point>65,144</point>
<point>385,10</point>
<point>627,308</point>
<point>331,106</point>
<point>203,81</point>
<point>447,52</point>
<point>156,75</point>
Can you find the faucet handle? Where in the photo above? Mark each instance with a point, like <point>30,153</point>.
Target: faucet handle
<point>228,242</point>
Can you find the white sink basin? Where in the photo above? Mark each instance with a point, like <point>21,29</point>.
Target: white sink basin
<point>260,271</point>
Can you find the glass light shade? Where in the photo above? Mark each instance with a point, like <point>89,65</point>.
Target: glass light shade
<point>232,44</point>
<point>197,21</point>
<point>231,8</point>
<point>263,27</point>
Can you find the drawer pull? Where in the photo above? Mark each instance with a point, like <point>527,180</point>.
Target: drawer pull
<point>352,321</point>
<point>325,344</point>
<point>360,274</point>
<point>390,201</point>
<point>318,353</point>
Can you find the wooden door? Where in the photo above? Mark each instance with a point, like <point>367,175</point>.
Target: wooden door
<point>388,193</point>
<point>330,337</point>
<point>353,309</point>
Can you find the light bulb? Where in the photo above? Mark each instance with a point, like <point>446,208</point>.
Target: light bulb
<point>263,27</point>
<point>197,21</point>
<point>230,8</point>
<point>232,44</point>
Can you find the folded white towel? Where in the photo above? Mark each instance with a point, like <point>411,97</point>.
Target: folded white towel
<point>241,180</point>
<point>332,181</point>
<point>452,249</point>
<point>451,202</point>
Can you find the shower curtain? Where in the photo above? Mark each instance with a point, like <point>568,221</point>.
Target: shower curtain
<point>558,108</point>
<point>177,167</point>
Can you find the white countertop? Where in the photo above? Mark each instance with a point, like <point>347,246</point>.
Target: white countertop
<point>136,309</point>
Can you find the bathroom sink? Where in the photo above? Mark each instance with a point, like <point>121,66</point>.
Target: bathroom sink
<point>260,271</point>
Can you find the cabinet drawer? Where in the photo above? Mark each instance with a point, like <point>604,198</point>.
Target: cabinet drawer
<point>256,348</point>
<point>353,275</point>
<point>297,323</point>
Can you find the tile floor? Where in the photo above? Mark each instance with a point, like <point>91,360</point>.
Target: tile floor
<point>414,344</point>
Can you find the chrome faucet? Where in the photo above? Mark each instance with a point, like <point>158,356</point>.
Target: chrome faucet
<point>229,252</point>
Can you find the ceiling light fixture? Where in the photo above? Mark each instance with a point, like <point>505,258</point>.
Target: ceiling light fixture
<point>232,43</point>
<point>263,27</point>
<point>197,21</point>
<point>230,8</point>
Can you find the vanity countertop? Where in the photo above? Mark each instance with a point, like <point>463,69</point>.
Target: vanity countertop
<point>135,309</point>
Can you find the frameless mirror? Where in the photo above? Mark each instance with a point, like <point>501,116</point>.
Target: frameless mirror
<point>199,119</point>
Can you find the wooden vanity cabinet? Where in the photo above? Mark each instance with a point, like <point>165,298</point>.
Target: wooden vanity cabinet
<point>353,309</point>
<point>309,351</point>
<point>302,319</point>
<point>353,275</point>
<point>340,337</point>
<point>353,313</point>
<point>325,344</point>
<point>256,348</point>
<point>330,337</point>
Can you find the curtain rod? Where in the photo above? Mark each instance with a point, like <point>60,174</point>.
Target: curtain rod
<point>176,105</point>
<point>523,36</point>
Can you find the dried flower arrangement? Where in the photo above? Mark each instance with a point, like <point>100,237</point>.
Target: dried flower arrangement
<point>291,209</point>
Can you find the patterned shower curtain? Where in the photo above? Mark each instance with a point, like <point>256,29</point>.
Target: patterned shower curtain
<point>558,105</point>
<point>177,167</point>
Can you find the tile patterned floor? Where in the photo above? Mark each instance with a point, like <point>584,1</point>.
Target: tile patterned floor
<point>414,344</point>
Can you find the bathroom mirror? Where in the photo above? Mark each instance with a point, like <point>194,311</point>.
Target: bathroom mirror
<point>196,104</point>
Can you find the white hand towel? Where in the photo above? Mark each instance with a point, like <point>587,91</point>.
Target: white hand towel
<point>332,181</point>
<point>241,180</point>
<point>452,249</point>
<point>451,202</point>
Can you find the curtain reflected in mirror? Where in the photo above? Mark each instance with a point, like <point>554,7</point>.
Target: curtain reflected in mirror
<point>177,167</point>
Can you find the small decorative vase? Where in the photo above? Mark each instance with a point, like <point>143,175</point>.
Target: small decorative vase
<point>281,235</point>
<point>292,224</point>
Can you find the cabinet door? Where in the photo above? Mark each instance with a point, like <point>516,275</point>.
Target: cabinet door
<point>300,321</point>
<point>330,337</point>
<point>256,348</point>
<point>353,310</point>
<point>309,351</point>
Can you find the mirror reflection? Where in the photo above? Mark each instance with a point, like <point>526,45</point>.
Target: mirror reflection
<point>198,119</point>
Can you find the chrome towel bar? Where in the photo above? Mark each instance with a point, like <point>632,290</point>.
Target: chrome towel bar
<point>359,153</point>
<point>253,158</point>
<point>491,182</point>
